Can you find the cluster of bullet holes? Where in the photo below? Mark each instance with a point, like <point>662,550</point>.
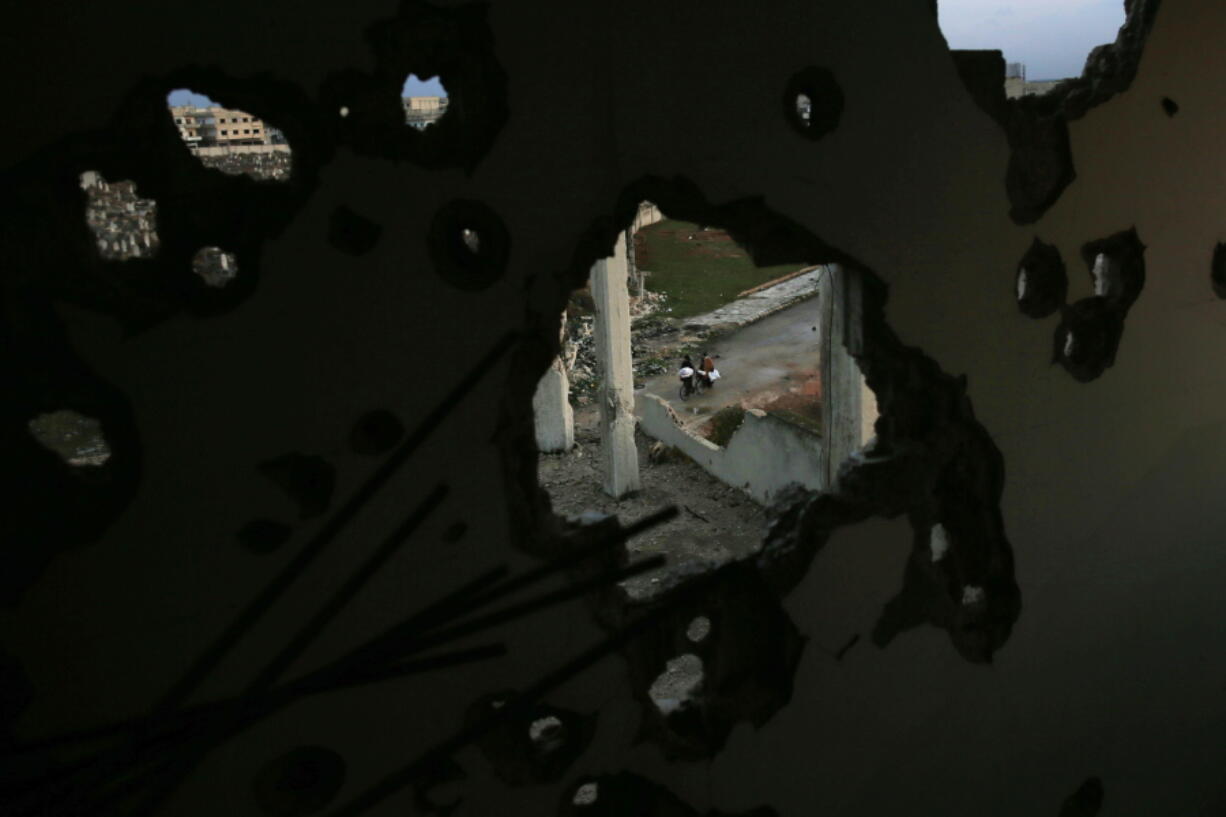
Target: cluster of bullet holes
<point>535,747</point>
<point>469,245</point>
<point>300,782</point>
<point>309,481</point>
<point>813,102</point>
<point>1090,330</point>
<point>215,266</point>
<point>124,225</point>
<point>425,101</point>
<point>78,440</point>
<point>725,655</point>
<point>232,141</point>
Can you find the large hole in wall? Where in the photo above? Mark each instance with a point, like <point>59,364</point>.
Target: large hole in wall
<point>425,101</point>
<point>721,649</point>
<point>233,141</point>
<point>1043,79</point>
<point>1043,41</point>
<point>691,376</point>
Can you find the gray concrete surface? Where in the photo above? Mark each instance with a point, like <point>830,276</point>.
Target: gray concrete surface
<point>765,454</point>
<point>755,363</point>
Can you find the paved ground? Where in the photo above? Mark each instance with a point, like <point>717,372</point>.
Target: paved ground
<point>757,306</point>
<point>770,364</point>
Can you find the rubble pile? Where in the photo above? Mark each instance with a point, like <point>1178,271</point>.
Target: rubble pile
<point>264,166</point>
<point>124,225</point>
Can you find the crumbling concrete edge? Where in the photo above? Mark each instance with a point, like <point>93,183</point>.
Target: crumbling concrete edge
<point>734,464</point>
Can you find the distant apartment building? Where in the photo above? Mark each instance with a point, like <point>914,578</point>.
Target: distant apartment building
<point>422,111</point>
<point>222,128</point>
<point>195,124</point>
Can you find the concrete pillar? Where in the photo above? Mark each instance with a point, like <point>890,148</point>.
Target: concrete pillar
<point>844,412</point>
<point>554,418</point>
<point>612,329</point>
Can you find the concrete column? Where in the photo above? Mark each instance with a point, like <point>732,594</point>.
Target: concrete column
<point>555,420</point>
<point>612,329</point>
<point>843,388</point>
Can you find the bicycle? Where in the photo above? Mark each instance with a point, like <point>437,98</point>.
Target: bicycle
<point>693,385</point>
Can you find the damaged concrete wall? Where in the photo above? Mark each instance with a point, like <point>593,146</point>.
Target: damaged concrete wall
<point>269,438</point>
<point>764,456</point>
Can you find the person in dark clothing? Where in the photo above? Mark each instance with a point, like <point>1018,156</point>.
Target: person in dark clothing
<point>687,373</point>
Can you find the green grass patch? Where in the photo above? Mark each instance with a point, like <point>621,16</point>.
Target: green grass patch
<point>698,274</point>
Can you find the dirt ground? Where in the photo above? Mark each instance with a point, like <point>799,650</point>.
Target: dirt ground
<point>716,523</point>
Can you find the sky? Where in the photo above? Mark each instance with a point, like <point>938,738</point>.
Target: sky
<point>416,87</point>
<point>412,87</point>
<point>186,97</point>
<point>1053,37</point>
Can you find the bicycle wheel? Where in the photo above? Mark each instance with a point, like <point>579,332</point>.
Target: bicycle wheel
<point>685,393</point>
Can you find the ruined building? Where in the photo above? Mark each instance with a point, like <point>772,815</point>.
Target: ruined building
<point>314,573</point>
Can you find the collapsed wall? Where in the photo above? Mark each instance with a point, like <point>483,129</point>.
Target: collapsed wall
<point>765,455</point>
